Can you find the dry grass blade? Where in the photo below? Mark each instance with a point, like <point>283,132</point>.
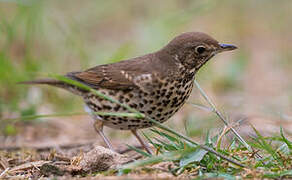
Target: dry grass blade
<point>2,175</point>
<point>4,163</point>
<point>218,113</point>
<point>27,166</point>
<point>201,107</point>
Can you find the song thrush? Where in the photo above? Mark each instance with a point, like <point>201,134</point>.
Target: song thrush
<point>156,84</point>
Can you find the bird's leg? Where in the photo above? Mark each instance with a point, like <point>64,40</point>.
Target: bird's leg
<point>98,126</point>
<point>144,145</point>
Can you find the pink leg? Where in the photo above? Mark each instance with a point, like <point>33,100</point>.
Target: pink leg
<point>98,126</point>
<point>144,145</point>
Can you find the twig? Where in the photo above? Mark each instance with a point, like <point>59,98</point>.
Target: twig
<point>2,175</point>
<point>123,151</point>
<point>28,165</point>
<point>218,113</point>
<point>226,130</point>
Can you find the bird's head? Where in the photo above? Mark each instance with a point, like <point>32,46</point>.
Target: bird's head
<point>194,49</point>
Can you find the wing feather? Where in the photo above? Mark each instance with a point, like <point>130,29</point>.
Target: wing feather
<point>113,76</point>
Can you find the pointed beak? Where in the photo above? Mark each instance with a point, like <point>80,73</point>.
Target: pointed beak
<point>226,47</point>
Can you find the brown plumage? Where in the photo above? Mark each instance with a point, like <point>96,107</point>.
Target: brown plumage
<point>156,84</point>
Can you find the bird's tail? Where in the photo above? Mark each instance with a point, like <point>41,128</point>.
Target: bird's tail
<point>52,82</point>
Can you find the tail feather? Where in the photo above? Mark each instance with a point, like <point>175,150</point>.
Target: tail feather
<point>52,82</point>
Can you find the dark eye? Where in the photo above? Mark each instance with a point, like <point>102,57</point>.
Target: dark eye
<point>200,49</point>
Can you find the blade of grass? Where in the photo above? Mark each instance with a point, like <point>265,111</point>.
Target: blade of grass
<point>169,147</point>
<point>151,160</point>
<point>177,143</point>
<point>133,115</point>
<point>266,146</point>
<point>168,156</point>
<point>157,146</point>
<point>29,117</point>
<point>218,113</point>
<point>289,144</point>
<point>170,138</point>
<point>43,116</point>
<point>201,107</point>
<point>195,156</point>
<point>139,151</point>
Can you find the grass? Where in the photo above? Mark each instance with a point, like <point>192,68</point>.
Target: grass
<point>258,159</point>
<point>262,157</point>
<point>275,161</point>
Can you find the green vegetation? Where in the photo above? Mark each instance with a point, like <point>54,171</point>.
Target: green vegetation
<point>263,157</point>
<point>189,160</point>
<point>40,37</point>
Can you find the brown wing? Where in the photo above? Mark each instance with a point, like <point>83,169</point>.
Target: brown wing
<point>119,75</point>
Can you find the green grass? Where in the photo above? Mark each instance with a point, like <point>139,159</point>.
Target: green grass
<point>275,161</point>
<point>262,157</point>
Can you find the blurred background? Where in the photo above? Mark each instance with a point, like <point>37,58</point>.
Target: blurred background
<point>40,37</point>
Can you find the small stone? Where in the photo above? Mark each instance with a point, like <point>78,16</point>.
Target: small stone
<point>101,159</point>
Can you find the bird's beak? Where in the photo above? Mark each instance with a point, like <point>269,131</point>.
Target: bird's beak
<point>226,47</point>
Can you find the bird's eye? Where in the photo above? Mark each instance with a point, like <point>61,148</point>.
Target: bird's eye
<point>200,49</point>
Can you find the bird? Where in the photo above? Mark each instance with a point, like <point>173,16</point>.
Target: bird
<point>156,84</point>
